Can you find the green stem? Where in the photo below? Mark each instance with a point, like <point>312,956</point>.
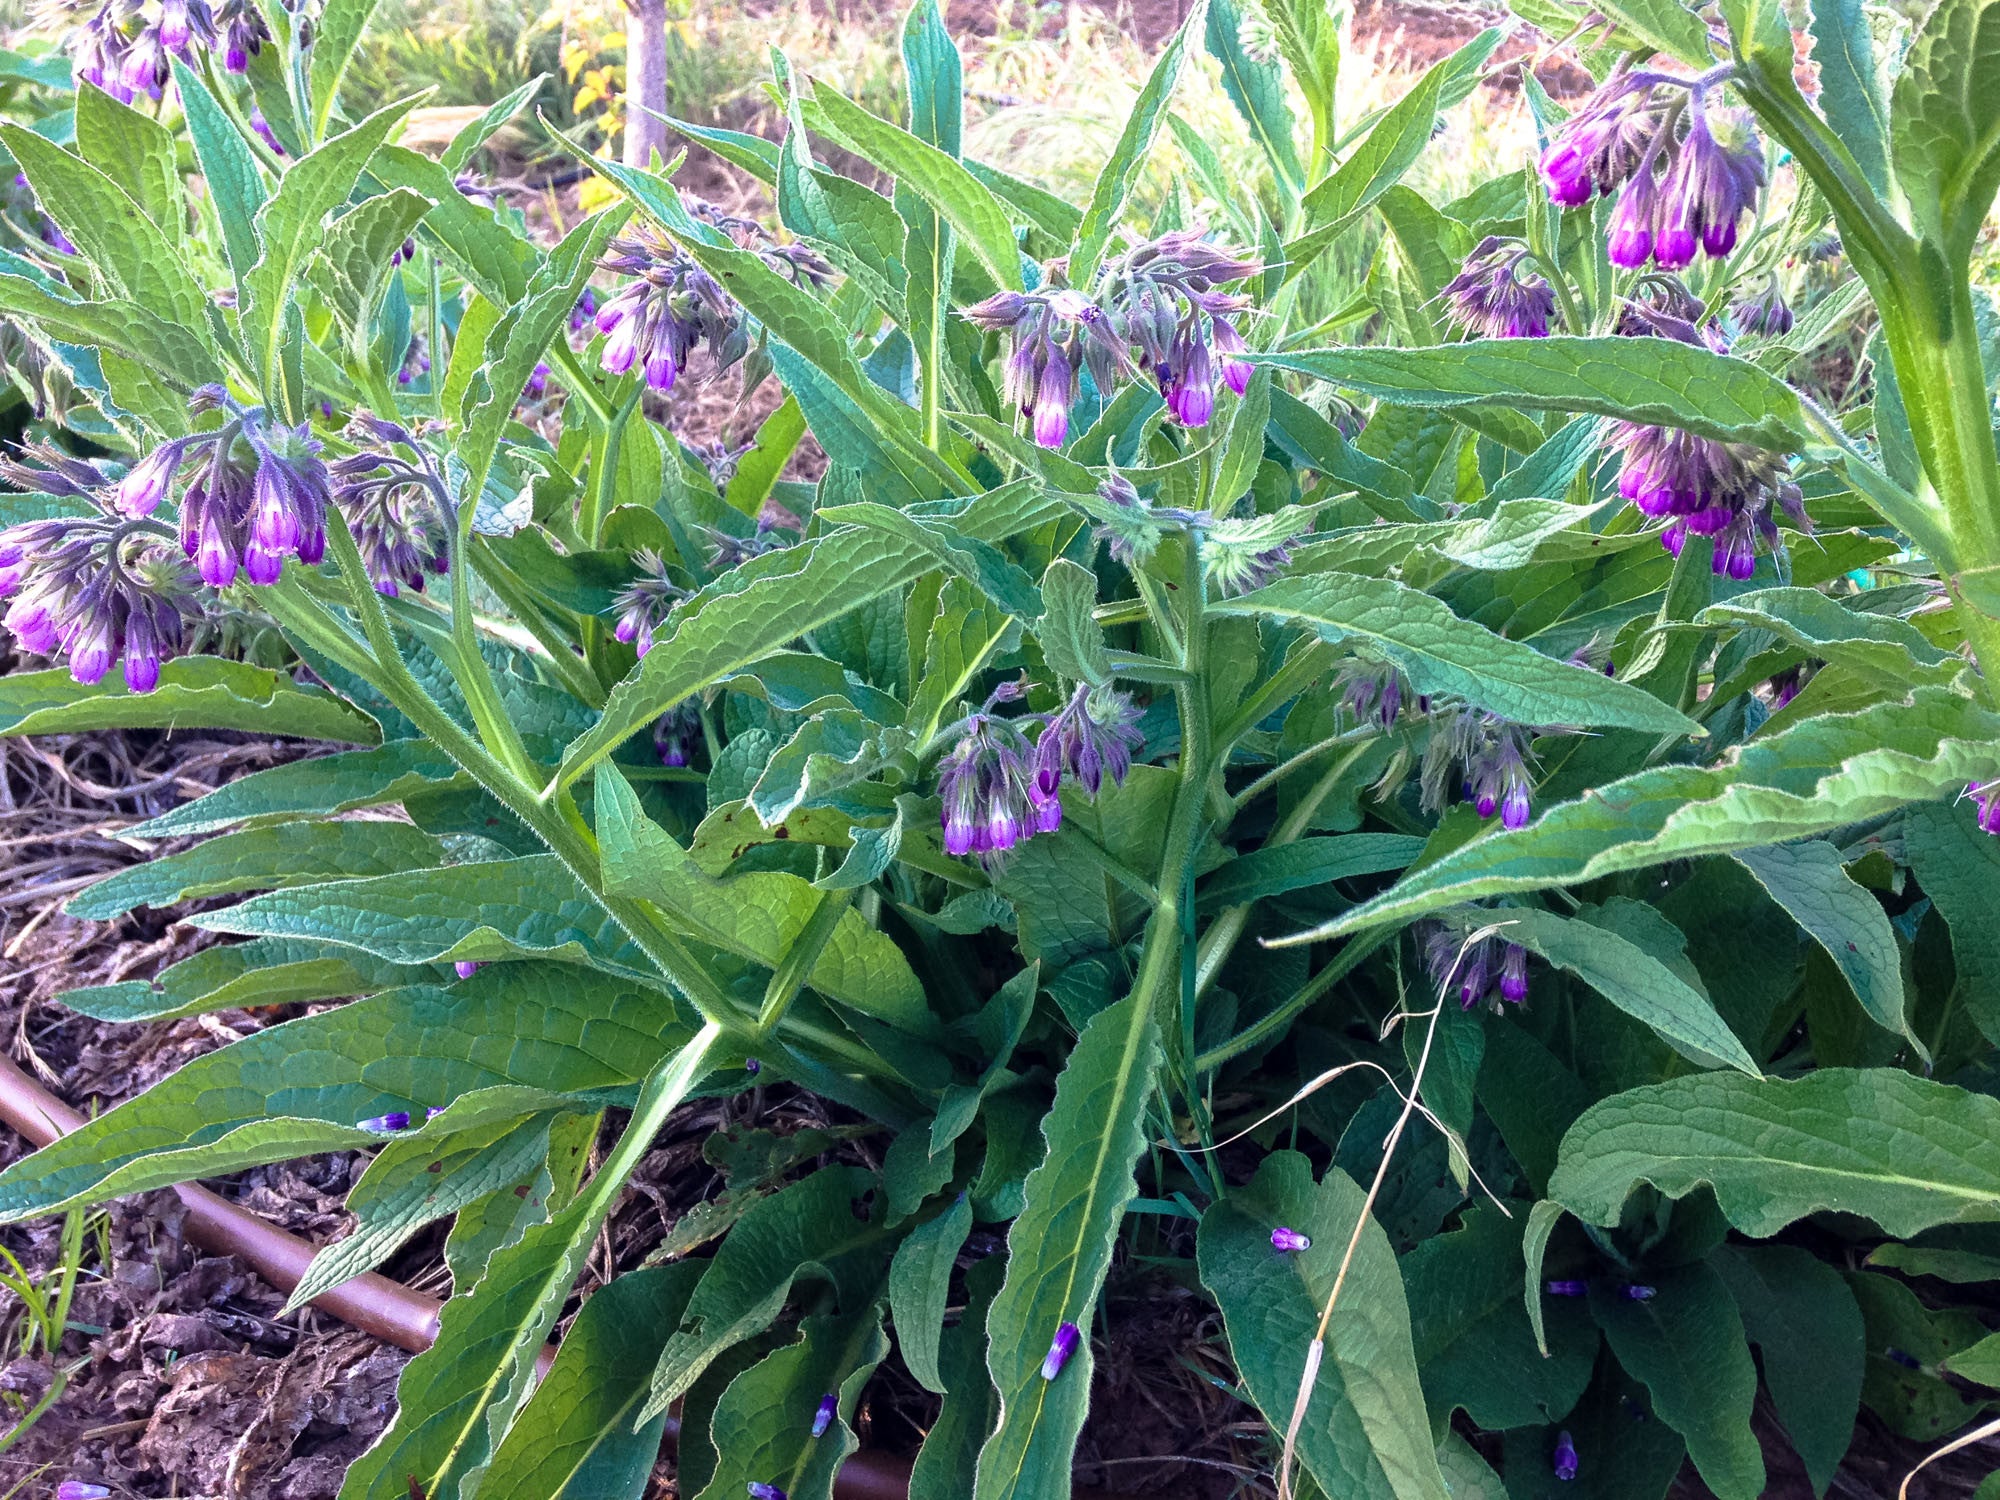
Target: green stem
<point>563,661</point>
<point>581,386</point>
<point>790,975</point>
<point>474,673</point>
<point>597,499</point>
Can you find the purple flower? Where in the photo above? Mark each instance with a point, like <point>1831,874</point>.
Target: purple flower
<point>1897,1356</point>
<point>991,797</point>
<point>762,1491</point>
<point>656,322</point>
<point>243,33</point>
<point>264,131</point>
<point>752,1066</point>
<point>538,381</point>
<point>1514,973</point>
<point>644,604</point>
<point>1060,1349</point>
<point>1766,313</point>
<point>1289,1240</point>
<point>465,968</point>
<point>676,733</point>
<point>147,482</point>
<point>396,1119</point>
<point>1096,732</point>
<point>1051,335</point>
<point>1711,186</point>
<point>1489,757</point>
<point>1489,971</point>
<point>77,1489</point>
<point>394,506</point>
<point>1564,1461</point>
<point>1602,144</point>
<point>290,490</point>
<point>1368,691</point>
<point>1567,1288</point>
<point>584,313</point>
<point>823,1415</point>
<point>1498,294</point>
<point>1988,799</point>
<point>1630,240</point>
<point>1707,488</point>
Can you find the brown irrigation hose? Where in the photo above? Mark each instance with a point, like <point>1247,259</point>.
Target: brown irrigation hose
<point>382,1308</point>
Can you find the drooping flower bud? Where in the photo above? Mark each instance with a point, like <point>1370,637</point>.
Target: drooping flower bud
<point>1094,734</point>
<point>761,1491</point>
<point>1638,1292</point>
<point>465,968</point>
<point>1567,1288</point>
<point>1498,293</point>
<point>1060,1349</point>
<point>77,1489</point>
<point>644,604</point>
<point>243,33</point>
<point>1564,1459</point>
<point>1369,691</point>
<point>1767,313</point>
<point>1289,1240</point>
<point>823,1415</point>
<point>389,1124</point>
<point>395,507</point>
<point>1489,971</point>
<point>677,732</point>
<point>991,800</point>
<point>1988,799</point>
<point>656,322</point>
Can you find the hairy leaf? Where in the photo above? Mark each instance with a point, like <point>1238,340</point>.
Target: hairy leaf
<point>195,692</point>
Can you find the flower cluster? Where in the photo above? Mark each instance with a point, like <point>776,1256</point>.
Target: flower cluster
<point>1987,798</point>
<point>1160,308</point>
<point>644,604</point>
<point>677,732</point>
<point>1767,313</point>
<point>1238,554</point>
<point>126,52</point>
<point>672,306</point>
<point>96,587</point>
<point>729,550</point>
<point>1487,970</point>
<point>1368,691</point>
<point>396,509</point>
<point>1486,757</point>
<point>1498,293</point>
<point>1685,174</point>
<point>1094,734</point>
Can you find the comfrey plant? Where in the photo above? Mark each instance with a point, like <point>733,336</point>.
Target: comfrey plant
<point>1475,885</point>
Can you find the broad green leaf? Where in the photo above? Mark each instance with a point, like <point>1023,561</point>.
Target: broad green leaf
<point>1059,1250</point>
<point>195,692</point>
<point>1624,973</point>
<point>1067,907</point>
<point>289,229</point>
<point>1516,534</point>
<point>1056,217</point>
<point>1850,92</point>
<point>472,239</point>
<point>1120,171</point>
<point>1816,776</point>
<point>1901,1150</point>
<point>352,267</point>
<point>997,576</point>
<point>1916,1403</point>
<point>1473,1344</point>
<point>1808,880</point>
<point>136,152</point>
<point>228,169</point>
<point>1071,639</point>
<point>920,1288</point>
<point>1799,1313</point>
<point>1668,25</point>
<point>1305,863</point>
<point>1958,866</point>
<point>266,971</point>
<point>947,1464</point>
<point>260,859</point>
<point>1365,1432</point>
<point>1442,653</point>
<point>757,471</point>
<point>1686,1343</point>
<point>297,1088</point>
<point>476,132</point>
<point>320,787</point>
<point>178,356</point>
<point>454,1399</point>
<point>1624,1451</point>
<point>507,908</point>
<point>967,633</point>
<point>934,174</point>
<point>1960,1267</point>
<point>137,258</point>
<point>487,1225</point>
<point>1257,89</point>
<point>487,1141</point>
<point>1659,381</point>
<point>760,915</point>
<point>1944,131</point>
<point>769,602</point>
<point>808,1229</point>
<point>757,1429</point>
<point>339,28</point>
<point>1880,645</point>
<point>577,1430</point>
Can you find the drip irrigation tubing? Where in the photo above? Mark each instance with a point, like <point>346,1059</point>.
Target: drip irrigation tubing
<point>383,1309</point>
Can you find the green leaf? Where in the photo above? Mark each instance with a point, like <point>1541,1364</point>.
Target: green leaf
<point>289,228</point>
<point>1305,863</point>
<point>1808,880</point>
<point>454,1398</point>
<point>920,1288</point>
<point>808,1229</point>
<point>1365,1431</point>
<point>1059,1250</point>
<point>1850,89</point>
<point>178,356</point>
<point>997,576</point>
<point>353,266</point>
<point>576,1435</point>
<point>136,257</point>
<point>1257,89</point>
<point>1944,131</point>
<point>476,132</point>
<point>1813,777</point>
<point>1799,1313</point>
<point>1441,653</point>
<point>1055,217</point>
<point>137,153</point>
<point>757,1428</point>
<point>1667,25</point>
<point>769,602</point>
<point>1072,641</point>
<point>472,239</point>
<point>297,1088</point>
<point>227,168</point>
<point>1473,1343</point>
<point>947,1464</point>
<point>1120,171</point>
<point>760,915</point>
<point>1622,971</point>
<point>1659,381</point>
<point>1686,1343</point>
<point>489,1140</point>
<point>1958,866</point>
<point>320,787</point>
<point>1879,645</point>
<point>259,859</point>
<point>340,24</point>
<point>757,471</point>
<point>1901,1150</point>
<point>934,174</point>
<point>506,908</point>
<point>268,971</point>
<point>968,632</point>
<point>195,692</point>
